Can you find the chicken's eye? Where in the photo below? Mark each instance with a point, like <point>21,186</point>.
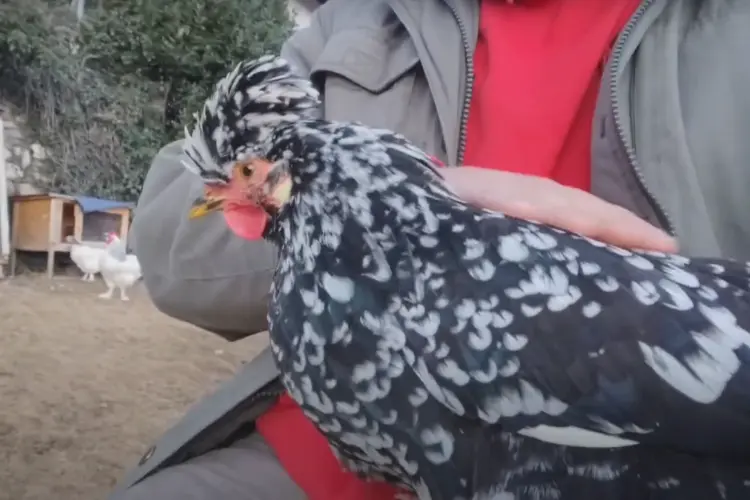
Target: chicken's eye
<point>246,171</point>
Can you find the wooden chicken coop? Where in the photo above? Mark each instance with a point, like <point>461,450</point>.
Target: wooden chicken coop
<point>42,223</point>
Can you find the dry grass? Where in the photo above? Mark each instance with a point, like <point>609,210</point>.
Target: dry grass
<point>86,384</point>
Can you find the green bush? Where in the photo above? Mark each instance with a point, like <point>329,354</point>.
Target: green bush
<point>105,94</point>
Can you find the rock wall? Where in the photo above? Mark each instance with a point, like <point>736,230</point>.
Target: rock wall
<point>22,155</point>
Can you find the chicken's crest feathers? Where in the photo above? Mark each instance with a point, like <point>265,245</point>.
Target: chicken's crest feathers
<point>245,107</point>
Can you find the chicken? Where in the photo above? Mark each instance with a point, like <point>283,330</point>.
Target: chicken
<point>87,258</point>
<point>463,353</point>
<point>119,269</point>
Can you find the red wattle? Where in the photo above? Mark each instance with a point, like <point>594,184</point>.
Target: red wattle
<point>247,222</point>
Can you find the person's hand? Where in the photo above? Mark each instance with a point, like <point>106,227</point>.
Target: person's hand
<point>546,201</point>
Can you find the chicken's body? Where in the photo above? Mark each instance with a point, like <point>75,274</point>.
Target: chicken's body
<point>421,334</point>
<point>86,258</point>
<point>119,269</point>
<point>470,355</point>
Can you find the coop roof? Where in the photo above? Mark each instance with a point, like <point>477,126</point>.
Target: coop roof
<point>89,204</point>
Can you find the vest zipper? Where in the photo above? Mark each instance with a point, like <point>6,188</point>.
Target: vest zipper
<point>661,211</point>
<point>468,85</point>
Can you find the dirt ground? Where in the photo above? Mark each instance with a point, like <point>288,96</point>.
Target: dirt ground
<point>86,384</point>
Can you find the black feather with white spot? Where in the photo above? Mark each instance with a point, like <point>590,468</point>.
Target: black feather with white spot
<point>471,355</point>
<point>246,106</point>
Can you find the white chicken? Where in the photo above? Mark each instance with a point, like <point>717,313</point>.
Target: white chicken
<point>87,258</point>
<point>118,268</point>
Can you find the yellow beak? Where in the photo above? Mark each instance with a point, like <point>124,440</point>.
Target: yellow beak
<point>213,199</point>
<point>206,205</point>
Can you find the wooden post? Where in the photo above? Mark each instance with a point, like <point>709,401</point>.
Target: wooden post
<point>55,222</point>
<point>5,246</point>
<point>78,221</point>
<point>124,224</point>
<point>14,238</point>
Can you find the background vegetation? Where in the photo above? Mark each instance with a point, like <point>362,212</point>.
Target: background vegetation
<point>105,92</point>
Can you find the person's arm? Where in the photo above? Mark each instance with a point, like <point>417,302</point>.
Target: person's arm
<point>546,201</point>
<point>197,271</point>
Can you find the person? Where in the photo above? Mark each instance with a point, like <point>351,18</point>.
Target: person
<point>608,118</point>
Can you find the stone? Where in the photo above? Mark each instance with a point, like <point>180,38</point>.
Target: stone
<point>38,151</point>
<point>22,157</point>
<point>13,171</point>
<point>26,159</point>
<point>24,189</point>
<point>12,134</point>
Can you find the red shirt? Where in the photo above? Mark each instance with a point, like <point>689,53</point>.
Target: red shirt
<point>538,65</point>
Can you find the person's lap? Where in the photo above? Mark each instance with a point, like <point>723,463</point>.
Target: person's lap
<point>246,470</point>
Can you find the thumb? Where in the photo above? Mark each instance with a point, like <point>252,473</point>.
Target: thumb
<point>622,228</point>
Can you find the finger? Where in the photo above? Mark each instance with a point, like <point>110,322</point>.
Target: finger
<point>624,229</point>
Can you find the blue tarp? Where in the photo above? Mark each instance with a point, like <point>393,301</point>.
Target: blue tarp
<point>89,204</point>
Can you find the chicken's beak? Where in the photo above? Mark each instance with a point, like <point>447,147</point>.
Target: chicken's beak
<point>212,201</point>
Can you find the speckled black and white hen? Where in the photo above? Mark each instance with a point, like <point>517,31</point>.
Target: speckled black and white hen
<point>465,353</point>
